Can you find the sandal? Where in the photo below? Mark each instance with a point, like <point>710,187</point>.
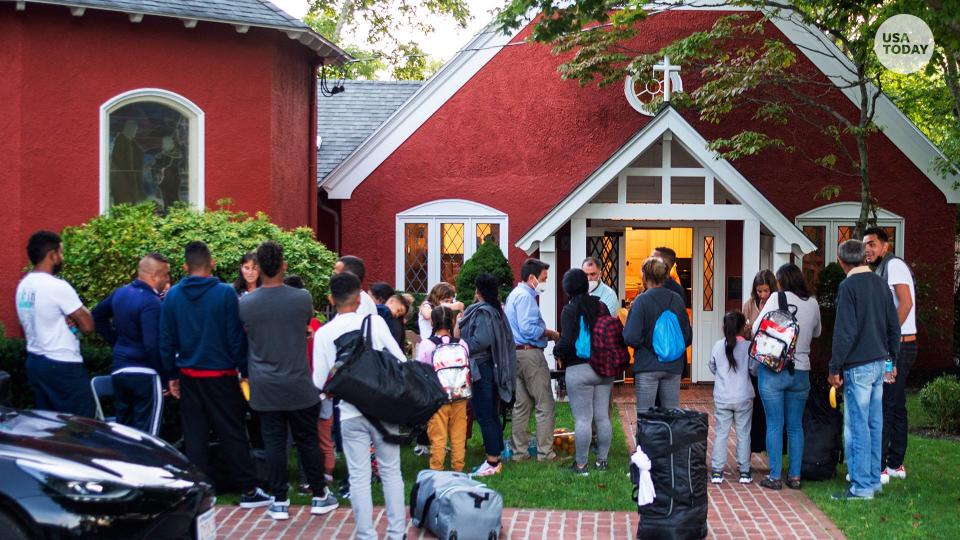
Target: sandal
<point>770,483</point>
<point>793,483</point>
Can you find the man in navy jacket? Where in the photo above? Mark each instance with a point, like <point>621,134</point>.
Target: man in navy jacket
<point>129,320</point>
<point>866,333</point>
<point>202,347</point>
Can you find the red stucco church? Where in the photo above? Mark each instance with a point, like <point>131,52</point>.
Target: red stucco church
<point>497,145</point>
<point>110,101</point>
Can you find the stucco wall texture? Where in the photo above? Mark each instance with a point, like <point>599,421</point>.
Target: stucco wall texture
<point>57,70</point>
<point>518,138</point>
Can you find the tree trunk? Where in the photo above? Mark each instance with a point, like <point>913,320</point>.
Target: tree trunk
<point>346,11</point>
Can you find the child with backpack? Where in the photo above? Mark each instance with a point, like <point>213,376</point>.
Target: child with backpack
<point>732,395</point>
<point>450,357</point>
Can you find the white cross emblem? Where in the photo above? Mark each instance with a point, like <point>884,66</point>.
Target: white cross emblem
<point>640,97</point>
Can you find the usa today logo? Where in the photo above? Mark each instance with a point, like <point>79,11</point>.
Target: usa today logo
<point>903,44</point>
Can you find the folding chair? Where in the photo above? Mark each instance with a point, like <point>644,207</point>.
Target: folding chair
<point>102,387</point>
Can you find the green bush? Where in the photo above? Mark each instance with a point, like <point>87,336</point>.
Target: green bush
<point>940,399</point>
<point>489,259</point>
<point>102,254</point>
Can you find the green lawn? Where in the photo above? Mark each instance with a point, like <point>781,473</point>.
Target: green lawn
<point>924,506</point>
<point>527,484</point>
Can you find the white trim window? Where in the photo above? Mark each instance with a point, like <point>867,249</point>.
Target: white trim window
<point>151,149</point>
<point>828,226</point>
<point>434,239</point>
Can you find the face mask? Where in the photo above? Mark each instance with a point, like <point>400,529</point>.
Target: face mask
<point>592,285</point>
<point>541,288</point>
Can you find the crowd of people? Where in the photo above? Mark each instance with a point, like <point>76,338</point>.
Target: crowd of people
<point>257,345</point>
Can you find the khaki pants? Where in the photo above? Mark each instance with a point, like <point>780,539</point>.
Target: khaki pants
<point>450,420</point>
<point>533,390</point>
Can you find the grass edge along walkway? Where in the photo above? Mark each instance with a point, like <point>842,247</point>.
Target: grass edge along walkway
<point>925,505</point>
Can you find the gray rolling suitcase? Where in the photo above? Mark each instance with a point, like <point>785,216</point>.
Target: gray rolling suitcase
<point>454,507</point>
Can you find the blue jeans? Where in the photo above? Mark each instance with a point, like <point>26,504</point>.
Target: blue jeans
<point>784,396</point>
<point>863,426</point>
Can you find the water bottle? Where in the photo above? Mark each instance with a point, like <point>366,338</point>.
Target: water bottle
<point>888,371</point>
<point>507,452</point>
<point>532,448</point>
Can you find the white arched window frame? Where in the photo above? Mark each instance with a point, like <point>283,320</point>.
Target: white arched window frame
<point>196,136</point>
<point>833,221</point>
<point>437,217</point>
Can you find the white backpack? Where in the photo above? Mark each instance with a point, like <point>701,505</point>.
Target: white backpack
<point>452,365</point>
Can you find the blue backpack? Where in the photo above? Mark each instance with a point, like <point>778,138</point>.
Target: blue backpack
<point>583,341</point>
<point>668,342</point>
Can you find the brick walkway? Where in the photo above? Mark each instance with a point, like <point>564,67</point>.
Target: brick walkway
<point>736,511</point>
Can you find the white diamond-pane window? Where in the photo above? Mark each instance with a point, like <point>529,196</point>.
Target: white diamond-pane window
<point>687,190</point>
<point>606,249</point>
<point>608,194</point>
<point>451,251</point>
<point>415,257</point>
<point>644,189</point>
<point>488,232</point>
<point>708,273</point>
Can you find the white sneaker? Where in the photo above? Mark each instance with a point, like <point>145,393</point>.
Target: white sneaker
<point>421,450</point>
<point>899,473</point>
<point>324,505</point>
<point>485,469</point>
<point>279,510</point>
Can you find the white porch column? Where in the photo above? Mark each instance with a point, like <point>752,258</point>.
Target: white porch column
<point>781,253</point>
<point>548,300</point>
<point>578,242</point>
<point>751,254</point>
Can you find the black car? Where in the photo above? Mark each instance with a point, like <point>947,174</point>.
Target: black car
<point>65,476</point>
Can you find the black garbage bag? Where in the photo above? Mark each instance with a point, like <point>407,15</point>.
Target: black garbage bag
<point>822,433</point>
<point>676,442</point>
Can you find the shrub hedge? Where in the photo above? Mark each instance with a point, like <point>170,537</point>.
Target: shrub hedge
<point>488,258</point>
<point>102,254</point>
<point>941,401</point>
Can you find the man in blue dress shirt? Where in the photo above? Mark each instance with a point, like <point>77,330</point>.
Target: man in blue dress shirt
<point>533,375</point>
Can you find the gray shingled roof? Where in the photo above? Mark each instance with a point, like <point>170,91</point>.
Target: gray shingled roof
<point>262,13</point>
<point>345,120</point>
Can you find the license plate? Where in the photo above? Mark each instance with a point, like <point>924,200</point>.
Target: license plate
<point>207,525</point>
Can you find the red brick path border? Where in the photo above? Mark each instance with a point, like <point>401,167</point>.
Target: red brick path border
<point>736,511</point>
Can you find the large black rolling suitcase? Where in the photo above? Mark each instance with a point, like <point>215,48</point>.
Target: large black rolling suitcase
<point>676,442</point>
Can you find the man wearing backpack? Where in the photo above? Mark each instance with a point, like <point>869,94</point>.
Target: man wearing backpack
<point>900,280</point>
<point>357,432</point>
<point>659,331</point>
<point>530,333</point>
<point>866,333</point>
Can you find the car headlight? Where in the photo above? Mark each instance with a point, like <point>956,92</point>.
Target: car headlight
<point>76,481</point>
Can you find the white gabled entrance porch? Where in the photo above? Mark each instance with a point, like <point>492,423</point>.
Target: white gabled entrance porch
<point>665,177</point>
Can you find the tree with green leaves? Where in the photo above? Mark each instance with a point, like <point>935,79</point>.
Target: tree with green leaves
<point>386,21</point>
<point>487,259</point>
<point>743,67</point>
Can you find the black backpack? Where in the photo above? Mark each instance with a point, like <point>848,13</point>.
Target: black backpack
<point>382,387</point>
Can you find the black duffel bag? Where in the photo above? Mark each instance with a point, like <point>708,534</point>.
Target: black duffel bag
<point>676,442</point>
<point>382,387</point>
<point>822,433</point>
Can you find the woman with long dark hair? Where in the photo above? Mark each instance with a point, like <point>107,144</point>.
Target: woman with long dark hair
<point>493,366</point>
<point>764,284</point>
<point>248,276</point>
<point>589,393</point>
<point>784,394</point>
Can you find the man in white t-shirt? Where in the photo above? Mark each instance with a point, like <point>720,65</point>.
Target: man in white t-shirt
<point>900,279</point>
<point>354,265</point>
<point>357,432</point>
<point>51,314</point>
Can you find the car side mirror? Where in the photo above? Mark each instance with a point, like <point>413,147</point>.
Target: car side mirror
<point>5,388</point>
